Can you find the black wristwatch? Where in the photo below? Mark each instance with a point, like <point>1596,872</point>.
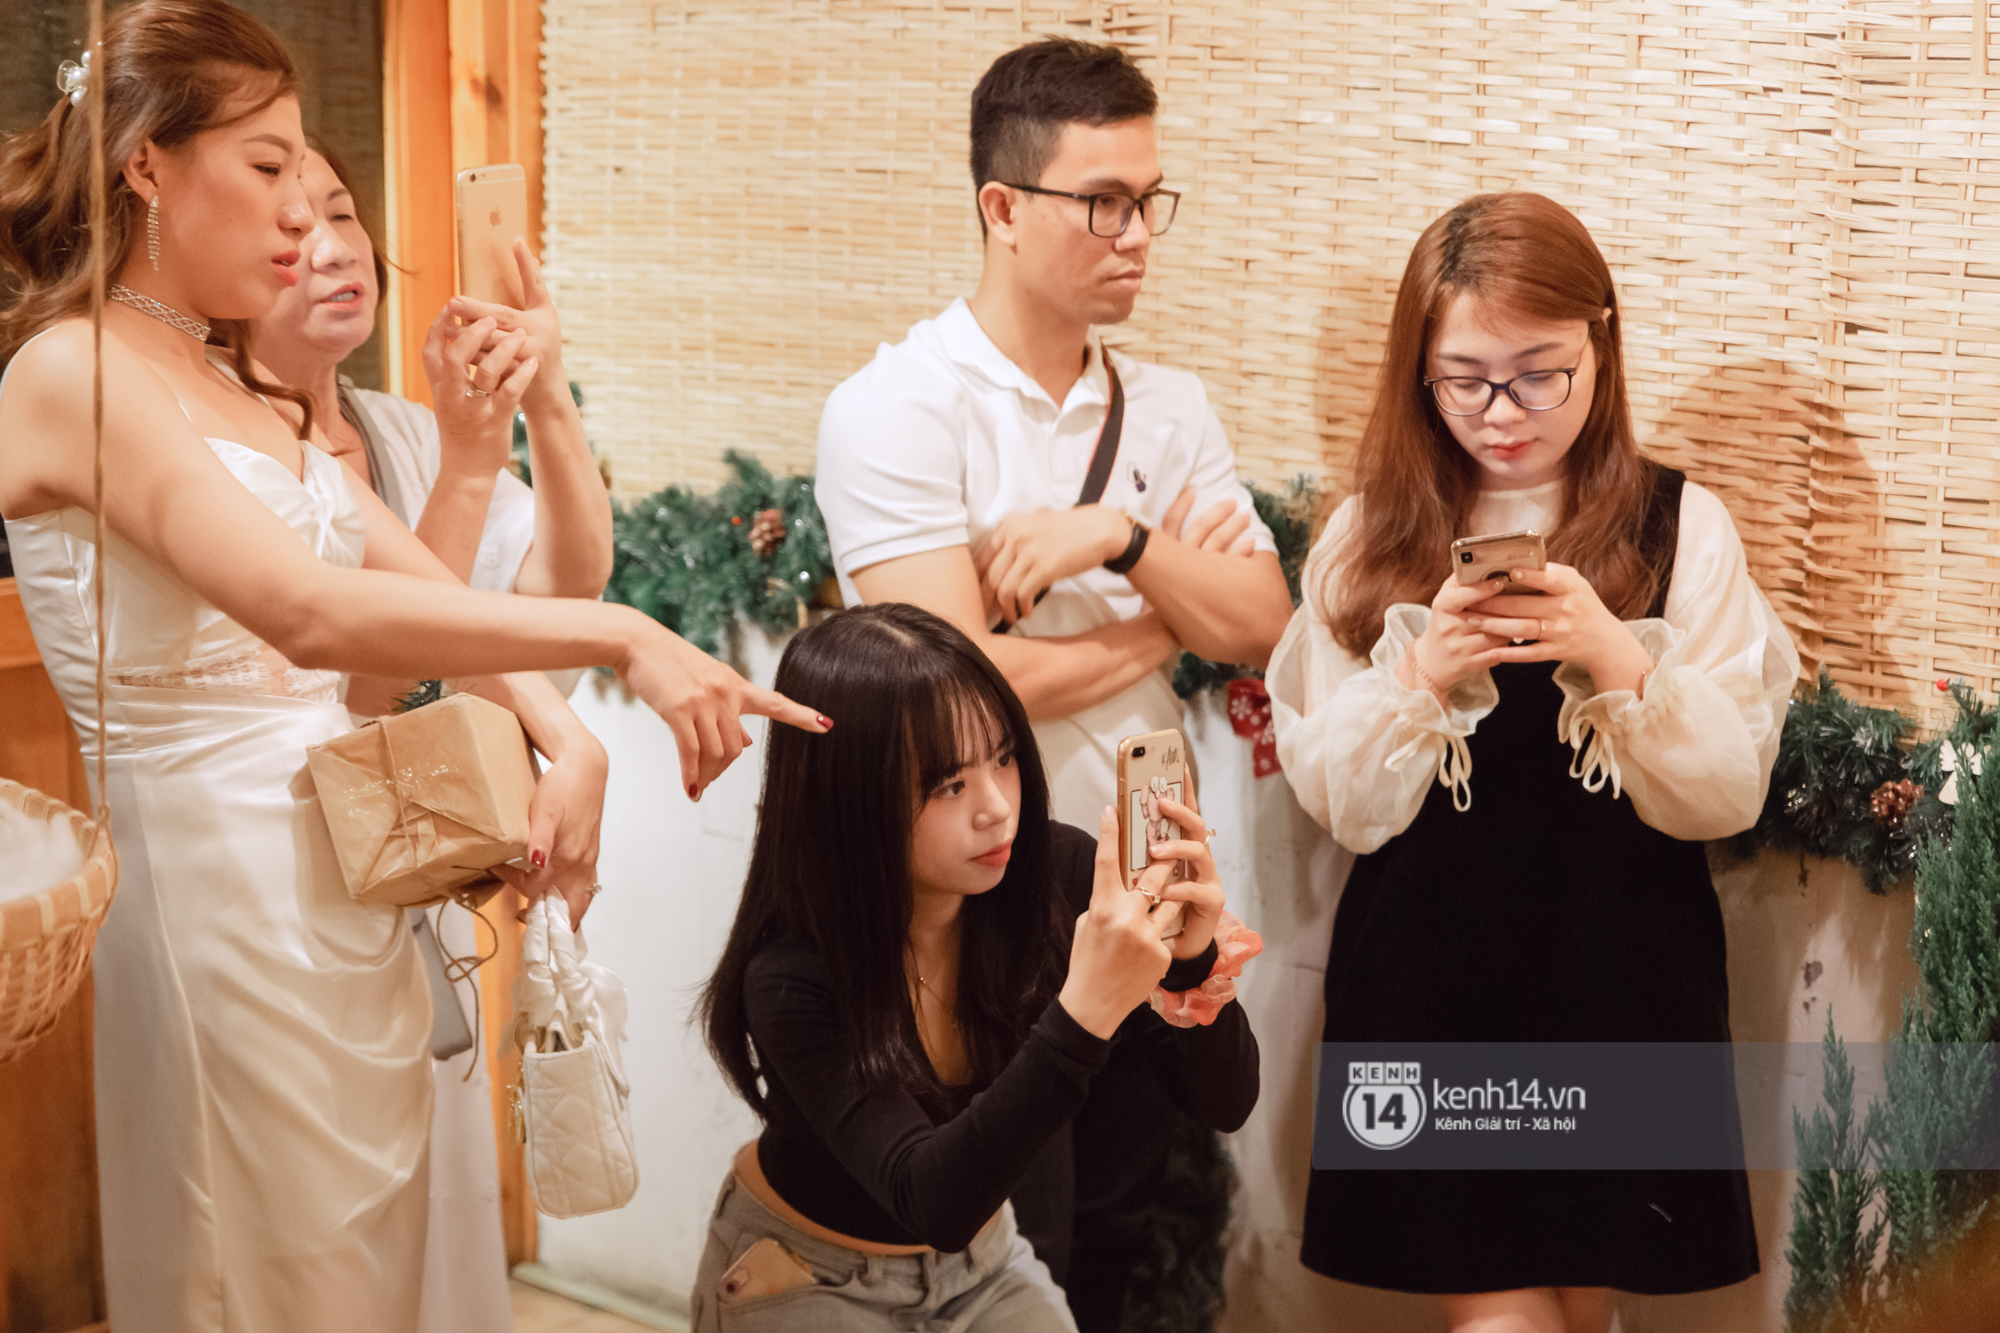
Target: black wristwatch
<point>1122,564</point>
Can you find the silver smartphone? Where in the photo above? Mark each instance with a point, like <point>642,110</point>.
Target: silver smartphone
<point>1476,559</point>
<point>450,1033</point>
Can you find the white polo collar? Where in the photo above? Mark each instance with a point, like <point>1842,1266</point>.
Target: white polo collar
<point>967,345</point>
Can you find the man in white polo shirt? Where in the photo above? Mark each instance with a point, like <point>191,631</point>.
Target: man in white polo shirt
<point>950,470</point>
<point>951,466</point>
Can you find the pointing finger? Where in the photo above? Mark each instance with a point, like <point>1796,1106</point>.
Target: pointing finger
<point>771,704</point>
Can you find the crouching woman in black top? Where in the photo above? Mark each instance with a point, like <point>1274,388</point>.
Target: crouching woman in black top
<point>911,1002</point>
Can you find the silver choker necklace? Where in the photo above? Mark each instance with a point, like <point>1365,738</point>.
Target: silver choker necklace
<point>159,310</point>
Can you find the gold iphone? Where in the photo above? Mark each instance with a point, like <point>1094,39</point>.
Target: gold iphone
<point>1149,767</point>
<point>1476,559</point>
<point>765,1269</point>
<point>492,211</point>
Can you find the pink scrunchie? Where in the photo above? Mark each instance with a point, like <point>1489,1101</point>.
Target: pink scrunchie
<point>1235,945</point>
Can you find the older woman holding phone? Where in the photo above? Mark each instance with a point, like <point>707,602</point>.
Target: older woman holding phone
<point>443,472</point>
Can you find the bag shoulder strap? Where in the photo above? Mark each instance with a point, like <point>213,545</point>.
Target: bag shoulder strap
<point>386,485</point>
<point>1106,454</point>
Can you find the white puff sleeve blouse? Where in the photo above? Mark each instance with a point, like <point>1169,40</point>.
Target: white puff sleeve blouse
<point>1694,755</point>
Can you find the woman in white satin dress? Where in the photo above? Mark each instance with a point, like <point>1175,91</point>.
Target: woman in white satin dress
<point>262,1066</point>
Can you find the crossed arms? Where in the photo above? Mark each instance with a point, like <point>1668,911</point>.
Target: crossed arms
<point>1205,589</point>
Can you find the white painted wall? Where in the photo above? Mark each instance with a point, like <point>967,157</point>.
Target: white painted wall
<point>672,871</point>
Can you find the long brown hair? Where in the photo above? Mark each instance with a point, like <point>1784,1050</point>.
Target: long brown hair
<point>171,69</point>
<point>1532,258</point>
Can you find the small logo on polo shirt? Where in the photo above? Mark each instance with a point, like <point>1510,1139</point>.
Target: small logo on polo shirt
<point>1138,479</point>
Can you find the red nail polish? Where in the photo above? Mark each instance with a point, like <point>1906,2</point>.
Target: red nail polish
<point>536,859</point>
<point>824,720</point>
<point>693,795</point>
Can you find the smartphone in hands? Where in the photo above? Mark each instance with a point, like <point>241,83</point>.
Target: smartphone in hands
<point>1477,559</point>
<point>1149,767</point>
<point>492,211</point>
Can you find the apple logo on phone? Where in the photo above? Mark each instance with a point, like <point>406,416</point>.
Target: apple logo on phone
<point>495,219</point>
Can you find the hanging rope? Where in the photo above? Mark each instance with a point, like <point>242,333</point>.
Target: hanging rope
<point>94,100</point>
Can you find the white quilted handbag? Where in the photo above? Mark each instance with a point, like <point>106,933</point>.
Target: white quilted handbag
<point>570,1105</point>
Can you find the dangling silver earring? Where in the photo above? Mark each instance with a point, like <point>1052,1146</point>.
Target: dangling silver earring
<point>153,232</point>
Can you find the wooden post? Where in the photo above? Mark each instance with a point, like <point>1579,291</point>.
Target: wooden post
<point>417,172</point>
<point>462,87</point>
<point>496,1006</point>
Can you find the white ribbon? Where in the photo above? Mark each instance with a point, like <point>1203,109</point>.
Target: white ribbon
<point>1596,762</point>
<point>1454,766</point>
<point>556,974</point>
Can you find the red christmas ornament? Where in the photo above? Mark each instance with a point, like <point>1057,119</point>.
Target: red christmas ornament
<point>1250,716</point>
<point>1943,683</point>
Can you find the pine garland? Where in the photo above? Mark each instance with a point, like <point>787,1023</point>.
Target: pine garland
<point>688,560</point>
<point>1837,788</point>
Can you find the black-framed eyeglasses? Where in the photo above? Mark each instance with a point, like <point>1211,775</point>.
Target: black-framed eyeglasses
<point>1468,396</point>
<point>1114,211</point>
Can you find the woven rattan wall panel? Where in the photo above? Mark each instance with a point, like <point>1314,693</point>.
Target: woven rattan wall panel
<point>1905,560</point>
<point>1800,202</point>
<point>745,198</point>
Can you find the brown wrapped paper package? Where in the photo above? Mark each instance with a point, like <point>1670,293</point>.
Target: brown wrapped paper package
<point>423,804</point>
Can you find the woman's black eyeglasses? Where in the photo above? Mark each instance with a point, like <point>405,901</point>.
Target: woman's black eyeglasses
<point>1467,396</point>
<point>1114,211</point>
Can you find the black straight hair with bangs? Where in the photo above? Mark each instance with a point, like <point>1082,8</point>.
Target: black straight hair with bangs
<point>830,868</point>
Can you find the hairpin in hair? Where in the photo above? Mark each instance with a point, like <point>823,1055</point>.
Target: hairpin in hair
<point>74,79</point>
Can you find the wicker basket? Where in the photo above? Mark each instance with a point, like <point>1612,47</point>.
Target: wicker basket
<point>45,938</point>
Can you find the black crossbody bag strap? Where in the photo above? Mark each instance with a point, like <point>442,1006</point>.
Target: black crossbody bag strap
<point>1106,455</point>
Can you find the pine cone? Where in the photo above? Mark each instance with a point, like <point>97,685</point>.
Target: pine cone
<point>1892,801</point>
<point>767,533</point>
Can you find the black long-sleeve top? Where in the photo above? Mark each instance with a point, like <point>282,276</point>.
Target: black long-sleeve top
<point>873,1165</point>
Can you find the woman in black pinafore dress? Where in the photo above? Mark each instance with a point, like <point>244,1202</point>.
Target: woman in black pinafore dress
<point>1527,779</point>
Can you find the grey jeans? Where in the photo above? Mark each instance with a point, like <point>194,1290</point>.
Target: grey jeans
<point>996,1285</point>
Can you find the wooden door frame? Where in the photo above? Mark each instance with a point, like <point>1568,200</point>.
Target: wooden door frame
<point>461,87</point>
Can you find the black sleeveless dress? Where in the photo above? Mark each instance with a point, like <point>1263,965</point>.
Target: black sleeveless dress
<point>1542,913</point>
